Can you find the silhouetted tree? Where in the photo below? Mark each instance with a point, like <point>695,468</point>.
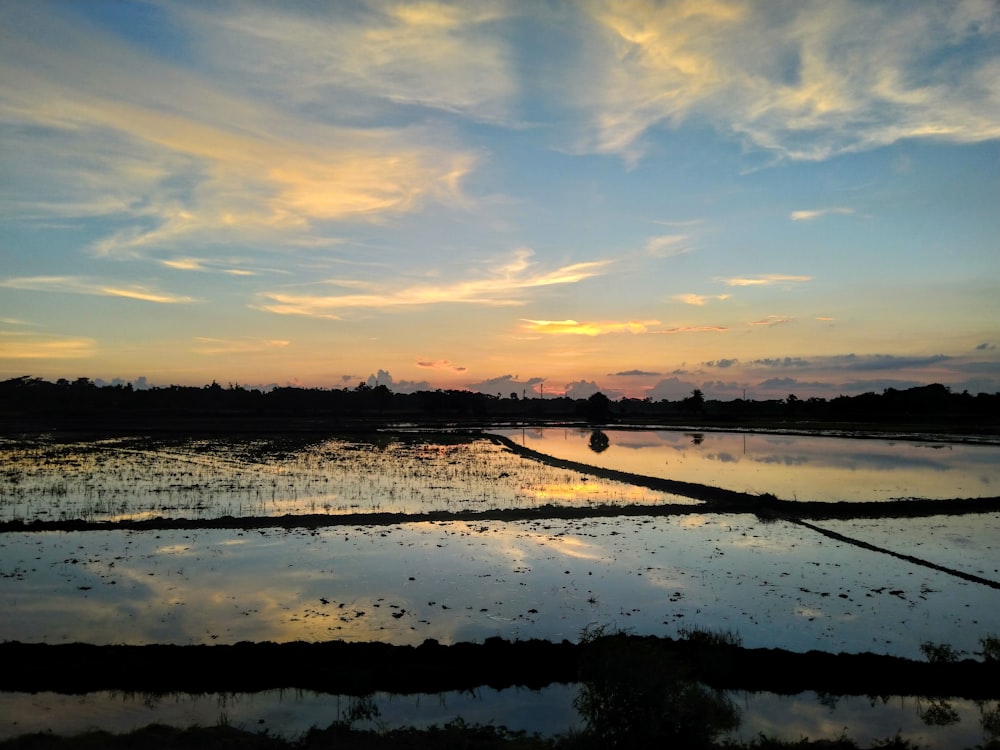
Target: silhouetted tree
<point>598,408</point>
<point>599,442</point>
<point>695,403</point>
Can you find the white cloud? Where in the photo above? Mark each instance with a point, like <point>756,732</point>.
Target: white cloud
<point>439,55</point>
<point>667,246</point>
<point>192,159</point>
<point>810,214</point>
<point>806,80</point>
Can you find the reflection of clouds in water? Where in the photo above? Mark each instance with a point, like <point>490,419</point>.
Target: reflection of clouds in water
<point>456,580</point>
<point>883,462</point>
<point>868,721</point>
<point>726,458</point>
<point>807,467</point>
<point>693,521</point>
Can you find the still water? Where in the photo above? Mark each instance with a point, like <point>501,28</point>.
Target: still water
<point>775,584</point>
<point>548,712</point>
<point>792,467</point>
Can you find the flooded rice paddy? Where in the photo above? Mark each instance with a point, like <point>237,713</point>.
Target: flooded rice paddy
<point>776,583</point>
<point>134,478</point>
<point>792,467</point>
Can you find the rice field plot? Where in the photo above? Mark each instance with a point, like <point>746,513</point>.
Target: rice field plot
<point>124,478</point>
<point>776,584</point>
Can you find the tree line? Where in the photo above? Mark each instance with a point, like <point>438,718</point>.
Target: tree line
<point>81,398</point>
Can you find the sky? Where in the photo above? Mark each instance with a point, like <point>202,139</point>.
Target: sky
<point>542,198</point>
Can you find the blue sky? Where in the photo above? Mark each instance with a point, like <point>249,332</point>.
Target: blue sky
<point>640,197</point>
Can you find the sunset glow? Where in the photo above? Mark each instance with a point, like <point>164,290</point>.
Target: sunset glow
<point>630,196</point>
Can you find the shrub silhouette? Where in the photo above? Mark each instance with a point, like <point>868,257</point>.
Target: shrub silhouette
<point>635,694</point>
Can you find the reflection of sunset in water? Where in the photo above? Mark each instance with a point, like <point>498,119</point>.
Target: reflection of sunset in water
<point>598,493</point>
<point>454,581</point>
<point>789,466</point>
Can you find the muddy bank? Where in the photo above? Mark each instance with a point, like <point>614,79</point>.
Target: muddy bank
<point>764,508</point>
<point>361,668</point>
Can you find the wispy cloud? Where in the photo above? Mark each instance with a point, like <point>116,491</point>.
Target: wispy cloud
<point>194,158</point>
<point>206,265</point>
<point>440,364</point>
<point>31,346</point>
<point>667,245</point>
<point>634,374</point>
<point>700,300</point>
<point>766,279</point>
<point>781,77</point>
<point>694,329</point>
<point>873,362</point>
<point>241,345</point>
<point>439,55</point>
<point>506,285</point>
<point>771,320</point>
<point>810,214</point>
<point>574,328</point>
<point>80,285</point>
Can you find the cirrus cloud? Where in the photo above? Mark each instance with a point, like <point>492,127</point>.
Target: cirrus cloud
<point>503,286</point>
<point>81,285</point>
<point>765,279</point>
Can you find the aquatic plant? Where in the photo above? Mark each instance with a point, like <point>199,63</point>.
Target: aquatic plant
<point>709,637</point>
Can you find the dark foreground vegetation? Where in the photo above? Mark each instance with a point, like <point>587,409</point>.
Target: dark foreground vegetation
<point>634,691</point>
<point>32,403</point>
<point>349,668</point>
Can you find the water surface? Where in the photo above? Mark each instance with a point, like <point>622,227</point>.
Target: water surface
<point>792,467</point>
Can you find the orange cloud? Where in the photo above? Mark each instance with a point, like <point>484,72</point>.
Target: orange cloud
<point>574,328</point>
<point>26,346</point>
<point>441,364</point>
